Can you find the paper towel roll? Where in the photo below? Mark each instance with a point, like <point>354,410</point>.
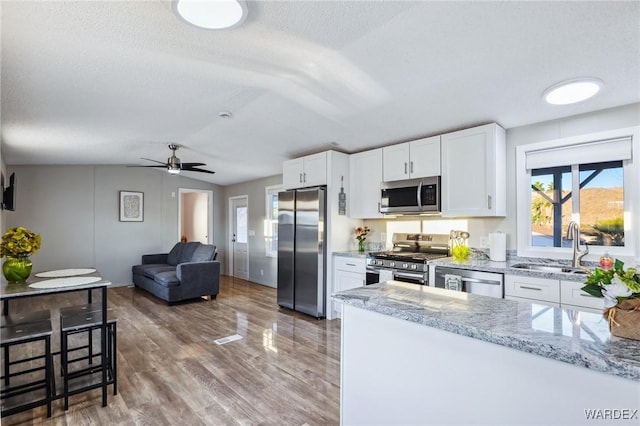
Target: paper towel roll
<point>498,246</point>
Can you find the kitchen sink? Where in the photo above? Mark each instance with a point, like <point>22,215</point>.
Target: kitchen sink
<point>550,268</point>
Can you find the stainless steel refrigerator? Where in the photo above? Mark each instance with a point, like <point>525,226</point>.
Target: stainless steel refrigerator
<point>301,250</point>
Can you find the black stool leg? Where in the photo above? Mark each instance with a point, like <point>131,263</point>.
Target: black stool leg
<point>6,365</point>
<point>48,373</point>
<point>114,357</point>
<point>64,367</point>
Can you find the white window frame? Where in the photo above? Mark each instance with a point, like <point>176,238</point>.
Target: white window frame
<point>631,173</point>
<point>268,220</point>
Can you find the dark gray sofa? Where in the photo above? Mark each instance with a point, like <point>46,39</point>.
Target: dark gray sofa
<point>188,271</point>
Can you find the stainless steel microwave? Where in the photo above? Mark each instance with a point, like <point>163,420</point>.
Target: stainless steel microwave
<point>412,196</point>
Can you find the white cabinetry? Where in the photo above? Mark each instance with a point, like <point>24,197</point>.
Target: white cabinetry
<point>473,172</point>
<point>566,294</point>
<point>306,171</point>
<point>415,159</point>
<point>363,200</point>
<point>350,272</point>
<point>571,295</point>
<point>543,290</point>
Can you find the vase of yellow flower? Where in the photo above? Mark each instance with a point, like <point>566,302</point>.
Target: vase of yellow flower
<point>17,245</point>
<point>361,236</point>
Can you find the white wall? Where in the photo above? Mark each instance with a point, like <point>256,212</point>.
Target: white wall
<point>75,209</point>
<point>613,118</point>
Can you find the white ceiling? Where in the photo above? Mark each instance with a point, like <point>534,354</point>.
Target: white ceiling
<point>96,82</point>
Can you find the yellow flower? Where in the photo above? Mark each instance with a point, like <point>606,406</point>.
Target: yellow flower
<point>19,241</point>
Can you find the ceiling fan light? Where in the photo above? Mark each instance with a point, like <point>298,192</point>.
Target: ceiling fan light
<point>212,14</point>
<point>572,91</point>
<point>173,170</point>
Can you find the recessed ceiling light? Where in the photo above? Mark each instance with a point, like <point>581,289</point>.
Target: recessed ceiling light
<point>225,114</point>
<point>572,91</point>
<point>212,14</point>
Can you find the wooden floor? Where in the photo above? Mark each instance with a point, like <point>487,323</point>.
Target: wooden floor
<point>284,371</point>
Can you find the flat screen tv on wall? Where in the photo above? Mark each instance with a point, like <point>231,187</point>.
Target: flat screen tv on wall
<point>9,194</point>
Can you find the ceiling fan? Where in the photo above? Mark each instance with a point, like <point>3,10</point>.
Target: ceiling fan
<point>173,164</point>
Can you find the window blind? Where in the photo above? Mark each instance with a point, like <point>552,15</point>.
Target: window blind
<point>583,153</point>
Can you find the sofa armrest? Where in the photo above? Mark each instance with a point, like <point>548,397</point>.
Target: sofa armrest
<point>199,278</point>
<point>154,258</point>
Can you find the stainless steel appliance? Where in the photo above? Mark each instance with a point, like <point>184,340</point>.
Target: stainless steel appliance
<point>411,196</point>
<point>407,261</point>
<point>301,250</point>
<point>475,282</point>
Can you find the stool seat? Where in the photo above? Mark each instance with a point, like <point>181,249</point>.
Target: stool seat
<point>15,319</point>
<point>20,334</point>
<point>82,321</point>
<point>25,332</point>
<point>80,309</point>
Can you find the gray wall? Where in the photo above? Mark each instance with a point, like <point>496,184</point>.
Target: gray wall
<point>75,209</point>
<point>262,269</point>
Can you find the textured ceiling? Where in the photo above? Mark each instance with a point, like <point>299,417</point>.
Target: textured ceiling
<point>95,82</point>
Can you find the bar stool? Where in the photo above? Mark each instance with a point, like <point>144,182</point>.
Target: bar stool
<point>19,319</point>
<point>13,335</point>
<point>72,311</point>
<point>86,322</point>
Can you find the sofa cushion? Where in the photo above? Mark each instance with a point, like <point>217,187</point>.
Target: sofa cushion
<point>203,253</point>
<point>152,269</point>
<point>174,255</point>
<point>187,251</point>
<point>167,279</point>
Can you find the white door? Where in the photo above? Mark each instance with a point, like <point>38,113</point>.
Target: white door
<point>239,236</point>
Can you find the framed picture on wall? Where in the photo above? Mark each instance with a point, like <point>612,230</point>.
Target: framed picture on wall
<point>131,206</point>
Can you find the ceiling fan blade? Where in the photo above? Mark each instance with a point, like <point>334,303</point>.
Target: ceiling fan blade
<point>194,169</point>
<point>155,161</point>
<point>192,164</point>
<point>164,166</point>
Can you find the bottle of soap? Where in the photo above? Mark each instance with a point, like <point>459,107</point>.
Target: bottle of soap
<point>606,261</point>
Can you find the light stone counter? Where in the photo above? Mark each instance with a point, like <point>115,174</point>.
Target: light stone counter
<point>575,337</point>
<point>506,267</point>
<point>422,355</point>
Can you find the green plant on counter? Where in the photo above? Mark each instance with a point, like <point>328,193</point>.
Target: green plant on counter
<point>615,285</point>
<point>18,242</point>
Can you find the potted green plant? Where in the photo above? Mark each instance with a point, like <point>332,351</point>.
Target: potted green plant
<point>620,288</point>
<point>17,245</point>
<point>361,236</point>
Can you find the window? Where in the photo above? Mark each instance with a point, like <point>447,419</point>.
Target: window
<point>599,203</point>
<point>271,220</point>
<point>587,179</point>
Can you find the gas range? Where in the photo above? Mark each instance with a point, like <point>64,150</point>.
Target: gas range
<point>411,252</point>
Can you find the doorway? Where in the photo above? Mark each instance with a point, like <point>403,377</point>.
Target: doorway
<point>239,232</point>
<point>195,220</point>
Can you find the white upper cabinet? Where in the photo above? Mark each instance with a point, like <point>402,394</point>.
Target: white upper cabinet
<point>365,170</point>
<point>415,159</point>
<point>306,171</point>
<point>474,172</point>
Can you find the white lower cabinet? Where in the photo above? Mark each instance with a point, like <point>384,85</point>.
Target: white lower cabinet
<point>572,295</point>
<point>541,290</point>
<point>557,293</point>
<point>348,272</point>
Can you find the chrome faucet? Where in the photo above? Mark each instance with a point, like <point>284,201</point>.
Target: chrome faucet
<point>573,233</point>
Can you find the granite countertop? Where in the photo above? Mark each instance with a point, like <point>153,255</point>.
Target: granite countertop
<point>567,335</point>
<point>506,267</point>
<point>352,253</point>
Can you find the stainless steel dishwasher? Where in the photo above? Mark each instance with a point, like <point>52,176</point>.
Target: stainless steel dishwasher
<point>475,282</point>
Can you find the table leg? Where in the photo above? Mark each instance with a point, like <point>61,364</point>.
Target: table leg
<point>5,307</point>
<point>103,346</point>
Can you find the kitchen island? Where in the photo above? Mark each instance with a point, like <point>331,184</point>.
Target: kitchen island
<point>421,355</point>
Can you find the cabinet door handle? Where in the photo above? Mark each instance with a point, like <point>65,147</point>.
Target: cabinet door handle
<point>350,264</point>
<point>405,167</point>
<point>530,288</point>
<point>411,166</point>
<point>488,201</point>
<point>300,177</point>
<point>305,177</point>
<point>378,207</point>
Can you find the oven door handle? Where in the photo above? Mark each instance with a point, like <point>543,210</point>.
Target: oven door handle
<point>408,275</point>
<point>473,280</point>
